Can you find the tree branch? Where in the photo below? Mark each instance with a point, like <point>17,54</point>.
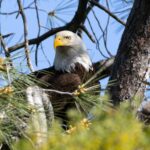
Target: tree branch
<point>39,30</point>
<point>107,66</point>
<point>73,26</point>
<point>94,2</point>
<point>7,54</point>
<point>26,42</point>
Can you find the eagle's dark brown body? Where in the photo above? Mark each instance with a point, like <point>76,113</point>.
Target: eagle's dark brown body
<point>63,81</point>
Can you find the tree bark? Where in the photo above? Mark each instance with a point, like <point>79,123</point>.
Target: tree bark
<point>131,65</point>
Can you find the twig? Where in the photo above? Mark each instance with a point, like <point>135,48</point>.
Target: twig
<point>107,11</point>
<point>103,32</point>
<point>58,92</point>
<point>26,43</point>
<point>97,42</point>
<point>51,90</point>
<point>100,69</point>
<point>16,11</point>
<point>6,35</point>
<point>106,65</point>
<point>46,57</point>
<point>7,54</point>
<point>39,30</point>
<point>88,33</point>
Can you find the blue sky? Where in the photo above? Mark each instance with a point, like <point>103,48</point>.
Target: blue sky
<point>11,24</point>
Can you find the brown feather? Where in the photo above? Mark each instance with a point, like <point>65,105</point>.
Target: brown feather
<point>63,81</point>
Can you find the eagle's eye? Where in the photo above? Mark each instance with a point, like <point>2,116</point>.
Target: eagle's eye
<point>67,37</point>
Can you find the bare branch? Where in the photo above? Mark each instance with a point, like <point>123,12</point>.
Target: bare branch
<point>106,65</point>
<point>89,8</point>
<point>97,41</point>
<point>101,69</point>
<point>17,11</point>
<point>104,32</point>
<point>73,26</point>
<point>107,11</point>
<point>6,35</point>
<point>7,54</point>
<point>58,92</point>
<point>26,43</point>
<point>37,40</point>
<point>39,30</point>
<point>88,33</point>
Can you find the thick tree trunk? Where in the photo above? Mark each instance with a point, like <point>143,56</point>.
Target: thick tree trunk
<point>132,59</point>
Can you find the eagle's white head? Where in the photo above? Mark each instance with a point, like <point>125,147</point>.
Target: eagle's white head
<point>70,50</point>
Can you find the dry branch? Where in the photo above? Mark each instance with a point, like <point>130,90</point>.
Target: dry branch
<point>73,26</point>
<point>7,54</point>
<point>26,42</point>
<point>94,2</point>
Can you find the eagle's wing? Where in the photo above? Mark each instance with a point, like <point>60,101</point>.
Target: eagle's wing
<point>64,82</point>
<point>67,82</point>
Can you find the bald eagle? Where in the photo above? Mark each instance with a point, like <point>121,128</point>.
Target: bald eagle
<point>72,67</point>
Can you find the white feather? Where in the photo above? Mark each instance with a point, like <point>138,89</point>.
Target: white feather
<point>74,52</point>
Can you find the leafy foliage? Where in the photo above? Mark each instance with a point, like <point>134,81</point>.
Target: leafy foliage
<point>14,110</point>
<point>111,129</point>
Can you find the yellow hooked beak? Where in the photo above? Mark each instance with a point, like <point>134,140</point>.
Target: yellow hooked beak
<point>58,42</point>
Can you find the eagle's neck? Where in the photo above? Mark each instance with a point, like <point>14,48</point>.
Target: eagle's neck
<point>67,61</point>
